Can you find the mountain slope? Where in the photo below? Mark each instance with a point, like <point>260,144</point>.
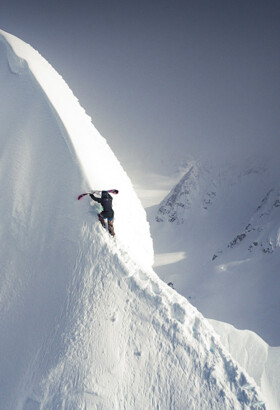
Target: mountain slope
<point>262,233</point>
<point>224,220</point>
<point>85,322</point>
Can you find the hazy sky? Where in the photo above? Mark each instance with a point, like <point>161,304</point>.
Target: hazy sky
<point>164,79</point>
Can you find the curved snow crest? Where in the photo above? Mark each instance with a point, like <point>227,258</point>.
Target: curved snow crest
<point>128,341</point>
<point>101,168</point>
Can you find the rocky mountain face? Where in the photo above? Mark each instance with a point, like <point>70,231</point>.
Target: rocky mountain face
<point>263,230</point>
<point>245,196</point>
<point>192,188</point>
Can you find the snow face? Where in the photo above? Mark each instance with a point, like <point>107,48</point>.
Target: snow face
<point>85,322</point>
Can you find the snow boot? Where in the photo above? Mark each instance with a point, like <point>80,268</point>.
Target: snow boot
<point>101,219</point>
<point>111,227</point>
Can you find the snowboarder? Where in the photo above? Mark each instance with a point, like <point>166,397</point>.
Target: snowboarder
<point>107,213</point>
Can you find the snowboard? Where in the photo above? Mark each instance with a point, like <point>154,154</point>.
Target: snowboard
<point>111,191</point>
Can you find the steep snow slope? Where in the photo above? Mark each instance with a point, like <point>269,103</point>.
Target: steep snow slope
<point>85,322</point>
<point>126,341</point>
<point>225,221</point>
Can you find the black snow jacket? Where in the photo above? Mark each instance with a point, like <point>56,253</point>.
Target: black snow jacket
<point>106,202</point>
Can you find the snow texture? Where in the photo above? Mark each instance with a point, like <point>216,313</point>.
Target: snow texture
<point>260,360</point>
<point>85,321</point>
